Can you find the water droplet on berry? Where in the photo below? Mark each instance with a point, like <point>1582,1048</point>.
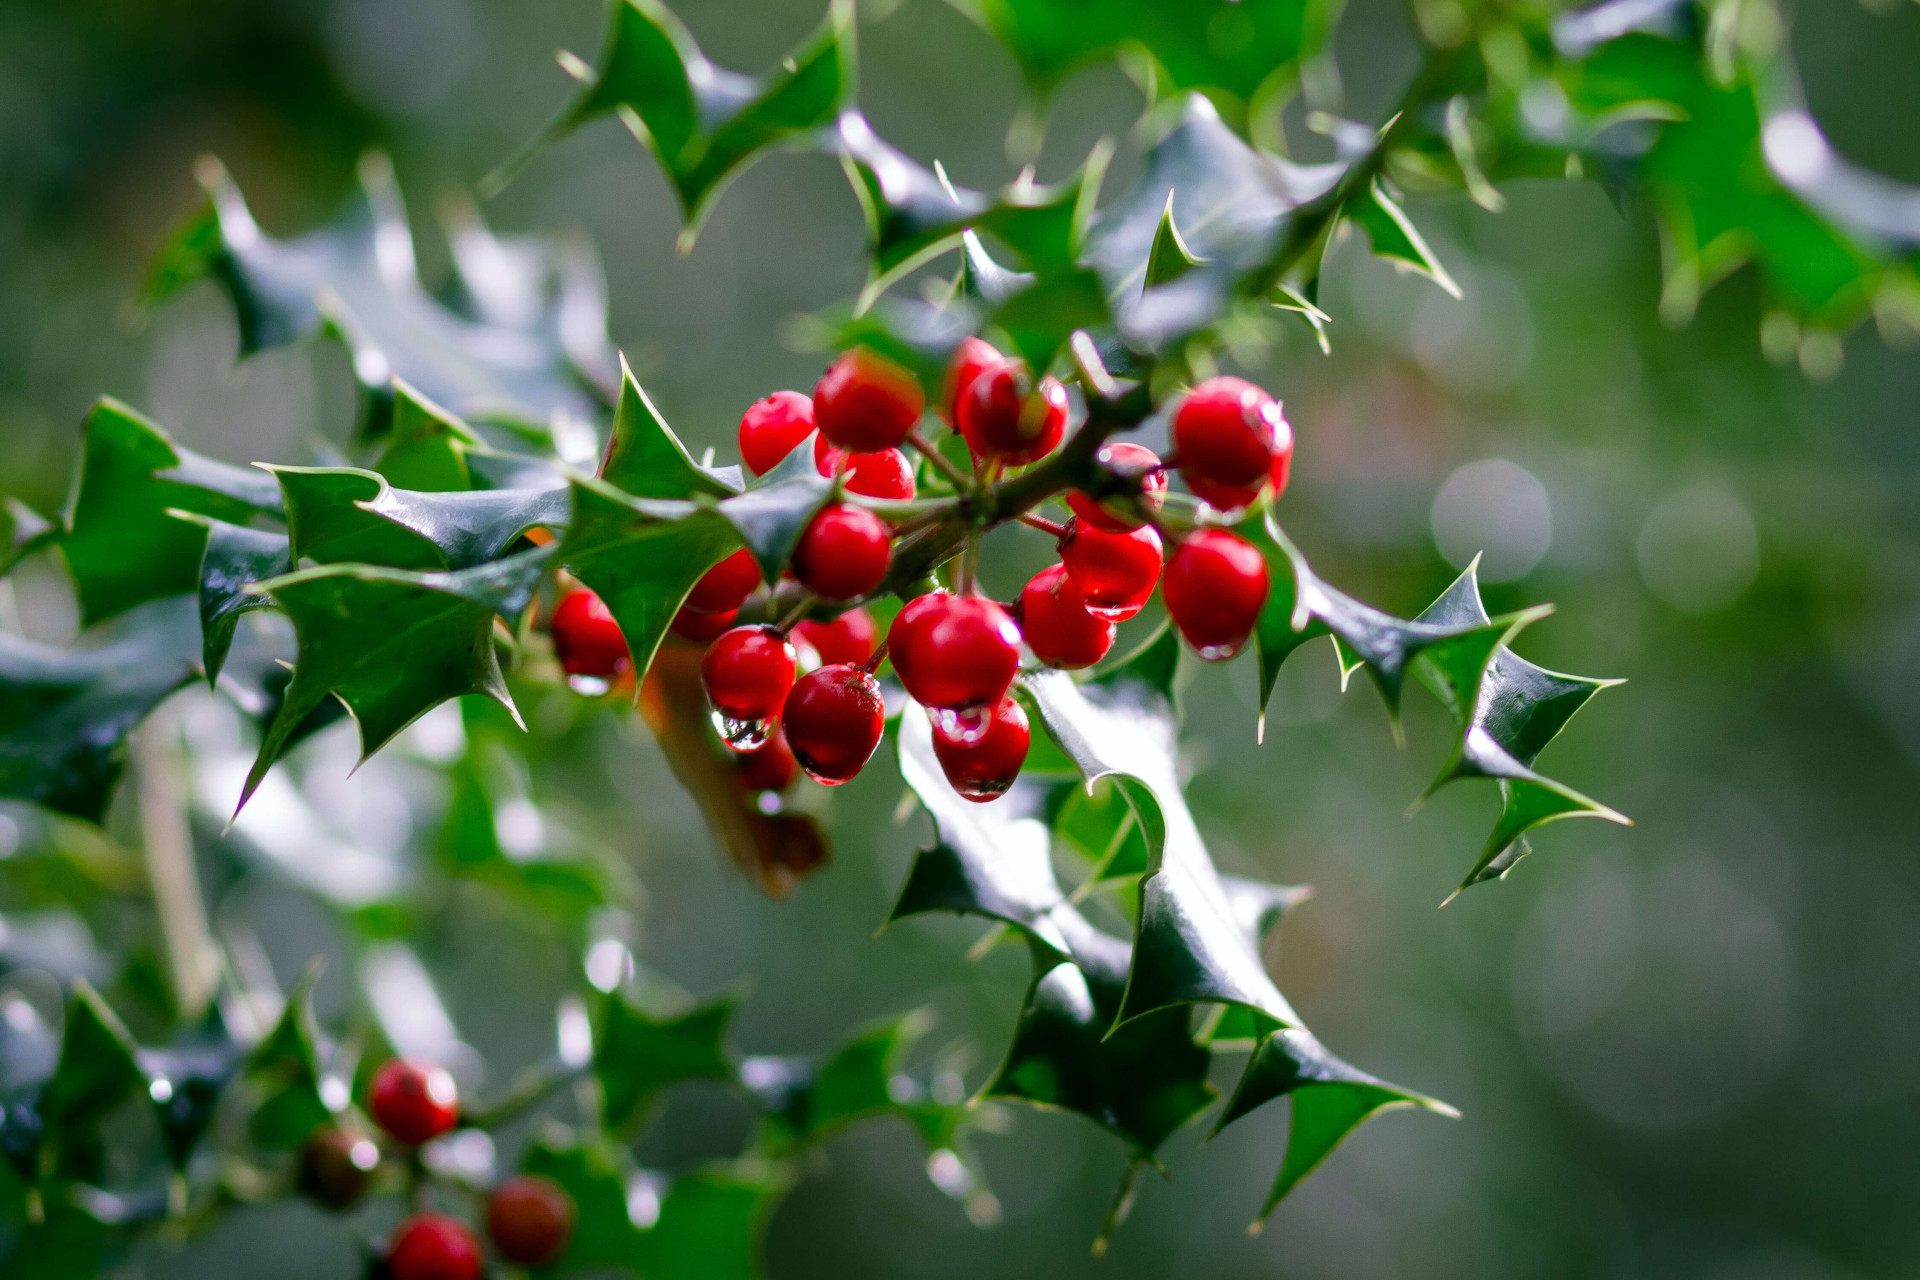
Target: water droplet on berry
<point>742,735</point>
<point>984,790</point>
<point>1114,613</point>
<point>1218,652</point>
<point>588,686</point>
<point>966,727</point>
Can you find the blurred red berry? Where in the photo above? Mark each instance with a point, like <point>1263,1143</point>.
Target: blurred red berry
<point>772,428</point>
<point>1123,459</point>
<point>865,402</point>
<point>413,1101</point>
<point>530,1219</point>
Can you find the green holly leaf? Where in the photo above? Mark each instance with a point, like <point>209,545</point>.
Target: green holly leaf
<point>185,1083</point>
<point>1141,1081</point>
<point>284,1070</point>
<point>1395,237</point>
<point>97,1071</point>
<point>121,545</point>
<point>703,123</point>
<point>392,644</point>
<point>805,1101</point>
<point>1099,822</point>
<point>235,558</point>
<point>772,514</point>
<point>1508,710</point>
<point>342,514</point>
<point>646,459</point>
<point>427,448</point>
<point>639,1053</point>
<point>1239,49</point>
<point>65,713</point>
<point>1187,945</point>
<point>642,556</point>
<point>23,531</point>
<point>354,280</point>
<point>69,1242</point>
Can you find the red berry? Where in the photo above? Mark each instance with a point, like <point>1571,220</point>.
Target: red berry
<point>865,402</point>
<point>726,585</point>
<point>844,552</point>
<point>1055,621</point>
<point>1123,459</point>
<point>1224,497</point>
<point>885,473</point>
<point>1114,571</point>
<point>848,638</point>
<point>413,1101</point>
<point>336,1166</point>
<point>834,718</point>
<point>970,359</point>
<point>771,768</point>
<point>1226,432</point>
<point>772,428</point>
<point>1004,415</point>
<point>432,1246</point>
<point>955,653</point>
<point>691,624</point>
<point>986,766</point>
<point>747,672</point>
<point>1216,586</point>
<point>586,639</point>
<point>529,1219</point>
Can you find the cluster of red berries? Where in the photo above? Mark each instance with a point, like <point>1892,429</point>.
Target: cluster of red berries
<point>529,1218</point>
<point>957,654</point>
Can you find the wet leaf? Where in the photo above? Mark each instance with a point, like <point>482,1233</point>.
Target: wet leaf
<point>646,459</point>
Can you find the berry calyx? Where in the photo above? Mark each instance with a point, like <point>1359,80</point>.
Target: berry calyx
<point>982,769</point>
<point>971,358</point>
<point>1122,459</point>
<point>1115,572</point>
<point>529,1219</point>
<point>771,768</point>
<point>413,1101</point>
<point>1004,415</point>
<point>865,402</point>
<point>336,1166</point>
<point>884,473</point>
<point>1216,586</point>
<point>1055,621</point>
<point>586,639</point>
<point>1226,432</point>
<point>691,624</point>
<point>848,638</point>
<point>843,553</point>
<point>772,428</point>
<point>726,585</point>
<point>834,718</point>
<point>747,673</point>
<point>432,1246</point>
<point>955,653</point>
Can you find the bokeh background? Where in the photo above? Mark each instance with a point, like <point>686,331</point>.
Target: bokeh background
<point>1686,1049</point>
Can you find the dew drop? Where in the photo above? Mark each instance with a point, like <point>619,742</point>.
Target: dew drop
<point>588,686</point>
<point>984,789</point>
<point>965,727</point>
<point>743,735</point>
<point>1218,652</point>
<point>1113,612</point>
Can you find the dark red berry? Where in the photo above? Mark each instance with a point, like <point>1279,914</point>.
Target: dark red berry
<point>1226,432</point>
<point>726,585</point>
<point>1216,585</point>
<point>848,638</point>
<point>747,673</point>
<point>771,768</point>
<point>529,1219</point>
<point>1123,459</point>
<point>865,402</point>
<point>1115,572</point>
<point>586,639</point>
<point>432,1246</point>
<point>985,766</point>
<point>833,719</point>
<point>844,552</point>
<point>954,652</point>
<point>1004,415</point>
<point>970,359</point>
<point>772,428</point>
<point>691,624</point>
<point>413,1101</point>
<point>336,1166</point>
<point>1055,621</point>
<point>885,473</point>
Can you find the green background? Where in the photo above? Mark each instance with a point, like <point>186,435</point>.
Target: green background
<point>1686,1049</point>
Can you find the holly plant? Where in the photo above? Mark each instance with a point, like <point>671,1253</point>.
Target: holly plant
<point>516,525</point>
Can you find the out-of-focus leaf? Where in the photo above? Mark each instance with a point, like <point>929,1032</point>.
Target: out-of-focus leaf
<point>1099,822</point>
<point>285,1070</point>
<point>806,1101</point>
<point>703,123</point>
<point>392,644</point>
<point>96,1073</point>
<point>70,1242</point>
<point>119,542</point>
<point>354,279</point>
<point>65,713</point>
<point>642,556</point>
<point>637,1054</point>
<point>1395,237</point>
<point>185,1082</point>
<point>22,532</point>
